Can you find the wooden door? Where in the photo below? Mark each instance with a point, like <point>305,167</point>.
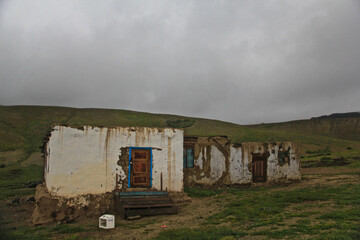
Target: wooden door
<point>140,168</point>
<point>259,167</point>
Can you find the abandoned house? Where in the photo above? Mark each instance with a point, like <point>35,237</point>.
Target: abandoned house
<point>81,163</point>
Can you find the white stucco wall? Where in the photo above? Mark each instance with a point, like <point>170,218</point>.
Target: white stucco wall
<point>239,163</point>
<point>290,171</point>
<point>238,169</point>
<point>275,171</point>
<point>217,165</point>
<point>84,161</point>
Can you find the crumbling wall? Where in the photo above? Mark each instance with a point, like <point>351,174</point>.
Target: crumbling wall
<point>211,161</point>
<point>283,160</point>
<point>87,160</point>
<point>49,208</point>
<point>217,161</point>
<point>240,165</point>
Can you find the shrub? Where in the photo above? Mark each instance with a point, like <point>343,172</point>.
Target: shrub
<point>180,123</point>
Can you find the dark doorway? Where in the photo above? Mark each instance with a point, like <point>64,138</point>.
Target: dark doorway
<point>259,167</point>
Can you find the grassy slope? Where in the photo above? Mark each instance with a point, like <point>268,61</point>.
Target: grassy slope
<point>25,126</point>
<point>343,128</point>
<point>22,129</point>
<point>324,212</point>
<point>262,212</point>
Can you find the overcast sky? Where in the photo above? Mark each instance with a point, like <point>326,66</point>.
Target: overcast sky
<point>241,61</point>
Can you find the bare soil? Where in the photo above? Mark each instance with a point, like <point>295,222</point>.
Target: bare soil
<point>15,215</point>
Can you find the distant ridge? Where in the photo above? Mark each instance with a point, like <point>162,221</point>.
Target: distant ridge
<point>339,115</point>
<point>24,127</point>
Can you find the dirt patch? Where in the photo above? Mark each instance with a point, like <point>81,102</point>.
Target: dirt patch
<point>17,214</point>
<point>190,215</point>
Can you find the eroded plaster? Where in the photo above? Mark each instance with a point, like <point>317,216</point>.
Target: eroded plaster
<point>219,162</point>
<point>87,160</point>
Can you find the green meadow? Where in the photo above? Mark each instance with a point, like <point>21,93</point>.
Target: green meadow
<point>325,205</point>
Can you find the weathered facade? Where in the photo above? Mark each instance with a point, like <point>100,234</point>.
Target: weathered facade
<point>94,160</point>
<point>217,161</point>
<point>83,166</point>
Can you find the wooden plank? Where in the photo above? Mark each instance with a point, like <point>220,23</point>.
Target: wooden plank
<point>189,142</point>
<point>149,205</point>
<point>145,202</point>
<point>153,193</point>
<point>144,199</point>
<point>140,197</point>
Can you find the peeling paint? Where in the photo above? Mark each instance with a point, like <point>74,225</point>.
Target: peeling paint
<point>87,161</point>
<point>169,163</point>
<point>219,162</point>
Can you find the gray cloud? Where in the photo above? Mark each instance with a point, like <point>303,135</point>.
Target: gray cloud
<point>240,61</point>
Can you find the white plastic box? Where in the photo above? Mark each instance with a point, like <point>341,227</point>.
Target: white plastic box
<point>107,221</point>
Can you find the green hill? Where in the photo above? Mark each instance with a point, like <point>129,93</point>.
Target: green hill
<point>342,128</point>
<point>23,128</point>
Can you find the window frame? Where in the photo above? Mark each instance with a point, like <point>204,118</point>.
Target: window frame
<point>185,158</point>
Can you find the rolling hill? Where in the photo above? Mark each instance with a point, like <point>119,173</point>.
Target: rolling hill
<point>23,127</point>
<point>323,141</point>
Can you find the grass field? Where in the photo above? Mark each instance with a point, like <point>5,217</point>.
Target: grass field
<point>23,128</point>
<point>325,205</point>
<point>317,212</point>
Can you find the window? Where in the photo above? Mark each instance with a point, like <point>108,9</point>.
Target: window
<point>189,146</point>
<point>188,158</point>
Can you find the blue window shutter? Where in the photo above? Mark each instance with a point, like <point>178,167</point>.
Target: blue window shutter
<point>190,157</point>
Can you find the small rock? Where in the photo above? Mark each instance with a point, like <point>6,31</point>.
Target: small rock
<point>134,217</point>
<point>15,201</point>
<point>30,199</point>
<point>33,184</point>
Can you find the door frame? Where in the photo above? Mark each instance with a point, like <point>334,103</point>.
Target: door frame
<point>151,158</point>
